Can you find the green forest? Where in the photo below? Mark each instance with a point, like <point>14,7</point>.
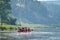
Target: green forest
<point>6,18</point>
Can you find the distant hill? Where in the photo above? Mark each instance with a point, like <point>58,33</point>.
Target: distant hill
<point>35,12</point>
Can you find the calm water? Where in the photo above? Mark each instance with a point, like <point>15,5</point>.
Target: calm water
<point>34,35</point>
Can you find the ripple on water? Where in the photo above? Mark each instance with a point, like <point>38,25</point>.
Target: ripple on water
<point>33,36</point>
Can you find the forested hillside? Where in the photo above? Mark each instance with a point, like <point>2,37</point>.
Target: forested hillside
<point>5,12</point>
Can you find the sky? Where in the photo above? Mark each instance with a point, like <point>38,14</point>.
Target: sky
<point>47,0</point>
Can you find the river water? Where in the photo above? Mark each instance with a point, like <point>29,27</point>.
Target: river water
<point>33,35</point>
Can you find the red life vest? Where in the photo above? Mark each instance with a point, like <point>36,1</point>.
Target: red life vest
<point>18,29</point>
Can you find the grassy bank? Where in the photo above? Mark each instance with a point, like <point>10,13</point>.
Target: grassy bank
<point>8,27</point>
<point>14,27</point>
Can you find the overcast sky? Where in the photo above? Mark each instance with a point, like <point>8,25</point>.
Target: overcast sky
<point>47,0</point>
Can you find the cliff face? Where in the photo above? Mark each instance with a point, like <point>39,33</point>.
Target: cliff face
<point>30,11</point>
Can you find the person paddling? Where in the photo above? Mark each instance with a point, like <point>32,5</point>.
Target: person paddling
<point>25,29</point>
<point>19,29</point>
<point>28,29</point>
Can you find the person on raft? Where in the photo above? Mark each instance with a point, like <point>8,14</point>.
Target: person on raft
<point>19,29</point>
<point>23,29</point>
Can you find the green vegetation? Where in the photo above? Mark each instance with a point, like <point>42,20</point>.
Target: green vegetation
<point>5,13</point>
<point>8,27</point>
<point>35,25</point>
<point>7,21</point>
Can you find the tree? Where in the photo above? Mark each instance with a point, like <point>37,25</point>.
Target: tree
<point>5,10</point>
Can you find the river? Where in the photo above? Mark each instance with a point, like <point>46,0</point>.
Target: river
<point>33,35</point>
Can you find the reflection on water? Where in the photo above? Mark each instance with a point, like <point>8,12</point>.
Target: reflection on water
<point>34,35</point>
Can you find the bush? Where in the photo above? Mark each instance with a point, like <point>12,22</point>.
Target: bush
<point>11,28</point>
<point>2,28</point>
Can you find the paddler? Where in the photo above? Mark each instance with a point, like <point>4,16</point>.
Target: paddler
<point>19,29</point>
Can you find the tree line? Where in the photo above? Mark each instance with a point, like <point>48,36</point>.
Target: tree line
<point>5,13</point>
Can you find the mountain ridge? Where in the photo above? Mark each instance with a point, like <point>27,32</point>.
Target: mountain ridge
<point>37,12</point>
